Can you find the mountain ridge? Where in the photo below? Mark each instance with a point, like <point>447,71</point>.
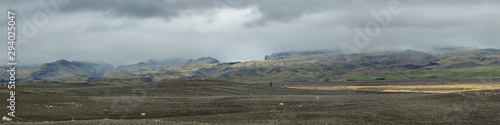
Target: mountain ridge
<point>303,67</point>
<point>64,69</point>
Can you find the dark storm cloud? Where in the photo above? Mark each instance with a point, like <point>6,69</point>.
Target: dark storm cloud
<point>118,8</point>
<point>355,12</point>
<point>273,10</point>
<point>129,31</point>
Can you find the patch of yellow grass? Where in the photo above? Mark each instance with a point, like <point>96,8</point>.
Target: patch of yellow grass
<point>437,91</point>
<point>411,88</point>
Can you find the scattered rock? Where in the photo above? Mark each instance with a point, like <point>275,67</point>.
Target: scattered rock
<point>7,119</point>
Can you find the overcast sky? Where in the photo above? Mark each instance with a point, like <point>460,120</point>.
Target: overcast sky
<point>129,31</point>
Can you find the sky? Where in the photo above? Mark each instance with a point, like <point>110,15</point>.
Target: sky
<point>123,32</point>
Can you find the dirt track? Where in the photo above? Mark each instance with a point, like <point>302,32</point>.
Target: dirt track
<point>216,102</point>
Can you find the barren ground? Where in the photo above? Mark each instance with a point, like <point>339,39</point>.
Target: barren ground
<point>221,102</point>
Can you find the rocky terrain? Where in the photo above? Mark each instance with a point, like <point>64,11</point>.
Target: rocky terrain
<point>223,102</point>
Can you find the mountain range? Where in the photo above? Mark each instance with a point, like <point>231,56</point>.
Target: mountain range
<point>303,66</point>
<point>63,69</point>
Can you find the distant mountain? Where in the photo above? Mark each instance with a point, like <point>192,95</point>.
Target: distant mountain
<point>452,49</point>
<point>301,54</point>
<point>61,69</point>
<point>158,65</point>
<point>202,60</point>
<point>332,67</point>
<point>307,66</point>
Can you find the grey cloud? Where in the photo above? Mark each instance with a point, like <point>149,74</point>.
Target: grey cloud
<point>273,10</point>
<point>126,31</point>
<point>119,8</point>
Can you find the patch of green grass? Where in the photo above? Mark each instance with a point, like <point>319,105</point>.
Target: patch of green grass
<point>363,78</point>
<point>490,75</point>
<point>481,71</point>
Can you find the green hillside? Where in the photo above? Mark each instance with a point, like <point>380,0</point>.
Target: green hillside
<point>408,64</point>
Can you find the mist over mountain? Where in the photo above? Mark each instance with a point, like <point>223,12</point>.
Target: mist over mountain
<point>62,69</point>
<point>298,54</point>
<point>158,65</point>
<point>59,70</point>
<point>296,66</point>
